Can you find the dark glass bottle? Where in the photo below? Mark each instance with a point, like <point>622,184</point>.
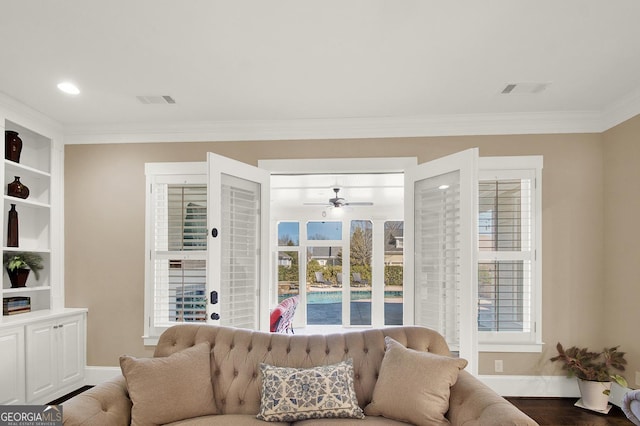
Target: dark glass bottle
<point>12,146</point>
<point>17,189</point>
<point>12,231</point>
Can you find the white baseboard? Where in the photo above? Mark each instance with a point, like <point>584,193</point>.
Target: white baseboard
<point>96,375</point>
<point>532,386</point>
<point>525,386</point>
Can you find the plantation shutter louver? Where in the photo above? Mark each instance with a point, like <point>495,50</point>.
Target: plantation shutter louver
<point>179,252</point>
<point>239,248</point>
<point>437,265</point>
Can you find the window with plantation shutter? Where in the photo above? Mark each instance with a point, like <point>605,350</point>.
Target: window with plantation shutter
<point>508,250</point>
<point>176,244</point>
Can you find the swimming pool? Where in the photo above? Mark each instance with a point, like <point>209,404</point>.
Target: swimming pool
<point>322,297</point>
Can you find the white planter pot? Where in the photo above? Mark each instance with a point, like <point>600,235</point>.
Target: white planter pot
<point>593,394</point>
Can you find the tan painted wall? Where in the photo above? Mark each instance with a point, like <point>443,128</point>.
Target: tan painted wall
<point>104,230</point>
<point>622,241</point>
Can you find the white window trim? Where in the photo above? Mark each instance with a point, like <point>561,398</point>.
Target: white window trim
<point>514,341</point>
<point>188,172</point>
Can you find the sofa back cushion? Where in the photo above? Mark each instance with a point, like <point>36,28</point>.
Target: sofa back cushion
<point>236,355</point>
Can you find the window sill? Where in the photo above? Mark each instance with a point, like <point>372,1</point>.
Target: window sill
<point>510,347</point>
<point>150,340</point>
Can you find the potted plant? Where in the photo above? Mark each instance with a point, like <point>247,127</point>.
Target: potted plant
<point>594,373</point>
<point>18,265</point>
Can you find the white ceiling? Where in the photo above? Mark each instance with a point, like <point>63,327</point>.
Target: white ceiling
<point>267,69</point>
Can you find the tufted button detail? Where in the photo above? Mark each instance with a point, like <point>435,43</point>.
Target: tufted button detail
<point>327,351</point>
<point>308,351</point>
<point>288,350</point>
<point>249,348</point>
<point>269,349</point>
<point>217,373</point>
<point>242,402</point>
<point>235,373</point>
<point>255,374</point>
<point>223,401</point>
<point>357,377</point>
<point>346,350</point>
<point>366,350</point>
<point>231,346</point>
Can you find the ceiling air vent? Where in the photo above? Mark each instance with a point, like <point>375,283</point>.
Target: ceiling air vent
<point>524,88</point>
<point>156,99</point>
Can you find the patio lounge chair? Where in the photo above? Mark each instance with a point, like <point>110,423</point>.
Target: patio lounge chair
<point>358,281</point>
<point>338,280</point>
<point>320,281</point>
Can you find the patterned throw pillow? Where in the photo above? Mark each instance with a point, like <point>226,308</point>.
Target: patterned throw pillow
<point>291,394</point>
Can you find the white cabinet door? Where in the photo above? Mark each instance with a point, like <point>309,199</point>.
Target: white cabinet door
<point>70,350</point>
<point>12,366</point>
<point>41,359</point>
<point>54,357</point>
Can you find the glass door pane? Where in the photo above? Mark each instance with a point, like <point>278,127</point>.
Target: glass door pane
<point>393,272</point>
<point>324,285</point>
<point>288,260</point>
<point>361,244</point>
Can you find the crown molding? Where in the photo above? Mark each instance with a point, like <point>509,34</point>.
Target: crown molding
<point>16,111</point>
<point>347,128</point>
<point>621,110</point>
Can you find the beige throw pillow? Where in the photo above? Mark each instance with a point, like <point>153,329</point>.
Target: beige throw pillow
<point>414,386</point>
<point>167,389</point>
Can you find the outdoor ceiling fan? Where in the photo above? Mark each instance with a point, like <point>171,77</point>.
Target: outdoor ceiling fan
<point>338,201</point>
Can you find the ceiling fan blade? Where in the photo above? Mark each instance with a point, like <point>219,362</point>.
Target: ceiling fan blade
<point>364,203</point>
<point>316,204</point>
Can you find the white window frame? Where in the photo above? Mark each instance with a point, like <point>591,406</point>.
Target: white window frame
<point>491,168</point>
<point>187,173</point>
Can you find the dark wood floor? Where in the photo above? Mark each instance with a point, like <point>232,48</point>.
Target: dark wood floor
<point>561,411</point>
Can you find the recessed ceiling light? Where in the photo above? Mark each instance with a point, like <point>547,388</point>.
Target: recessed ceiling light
<point>443,187</point>
<point>69,88</point>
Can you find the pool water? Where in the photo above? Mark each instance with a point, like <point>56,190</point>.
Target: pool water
<point>322,297</point>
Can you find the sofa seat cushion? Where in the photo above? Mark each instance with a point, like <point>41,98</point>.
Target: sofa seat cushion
<point>170,388</point>
<point>414,386</point>
<point>367,421</point>
<point>291,394</point>
<point>226,420</point>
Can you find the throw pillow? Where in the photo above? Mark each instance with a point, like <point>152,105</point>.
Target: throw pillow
<point>167,389</point>
<point>414,386</point>
<point>292,394</point>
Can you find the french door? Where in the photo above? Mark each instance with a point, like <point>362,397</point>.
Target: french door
<point>440,241</point>
<point>238,250</point>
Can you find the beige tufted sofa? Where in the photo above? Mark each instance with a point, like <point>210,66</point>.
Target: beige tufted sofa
<point>237,353</point>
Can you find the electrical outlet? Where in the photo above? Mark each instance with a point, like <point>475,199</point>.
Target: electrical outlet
<point>499,366</point>
<point>637,378</point>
